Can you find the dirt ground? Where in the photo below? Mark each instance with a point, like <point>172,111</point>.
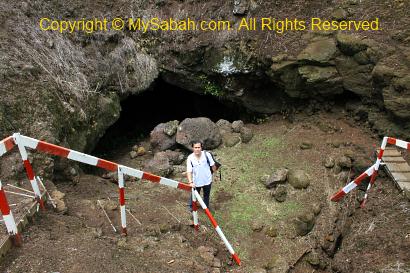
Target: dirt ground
<point>261,230</point>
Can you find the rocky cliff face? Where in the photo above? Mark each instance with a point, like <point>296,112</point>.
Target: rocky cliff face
<point>67,87</point>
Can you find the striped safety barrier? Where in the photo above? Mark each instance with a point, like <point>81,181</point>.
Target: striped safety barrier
<point>195,210</point>
<point>353,184</point>
<point>29,169</point>
<point>122,200</point>
<point>372,171</point>
<point>8,218</point>
<point>217,228</point>
<point>23,141</point>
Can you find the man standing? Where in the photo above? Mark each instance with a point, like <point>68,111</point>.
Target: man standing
<point>198,171</point>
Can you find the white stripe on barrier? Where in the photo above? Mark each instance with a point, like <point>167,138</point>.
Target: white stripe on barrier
<point>123,217</point>
<point>29,142</point>
<point>132,172</point>
<point>168,182</point>
<point>22,149</point>
<point>35,187</point>
<point>198,197</point>
<point>227,244</point>
<point>194,212</point>
<point>10,224</point>
<point>120,178</point>
<point>349,187</point>
<point>370,170</point>
<point>401,143</point>
<point>2,148</point>
<point>83,158</point>
<point>384,143</point>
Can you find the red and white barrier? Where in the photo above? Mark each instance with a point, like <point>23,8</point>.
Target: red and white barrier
<point>23,142</point>
<point>195,210</point>
<point>122,201</point>
<point>29,169</point>
<point>217,228</point>
<point>371,172</point>
<point>8,217</point>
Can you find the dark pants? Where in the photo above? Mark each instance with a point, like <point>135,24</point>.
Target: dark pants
<point>207,193</point>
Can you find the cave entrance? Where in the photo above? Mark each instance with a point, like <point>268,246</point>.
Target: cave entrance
<point>161,103</point>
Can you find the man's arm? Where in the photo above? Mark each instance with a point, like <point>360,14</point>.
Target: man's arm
<point>189,176</point>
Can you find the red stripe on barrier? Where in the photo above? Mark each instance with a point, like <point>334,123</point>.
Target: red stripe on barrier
<point>336,197</point>
<point>359,179</point>
<point>184,186</point>
<point>122,197</point>
<point>380,155</point>
<point>29,170</point>
<point>124,231</point>
<point>196,227</point>
<point>236,259</point>
<point>17,239</point>
<point>408,146</point>
<point>151,177</point>
<point>52,149</point>
<point>194,206</point>
<point>108,165</point>
<point>9,143</point>
<point>208,213</point>
<point>4,205</point>
<point>391,140</point>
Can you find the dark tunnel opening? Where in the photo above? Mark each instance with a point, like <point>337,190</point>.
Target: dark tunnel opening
<point>162,103</point>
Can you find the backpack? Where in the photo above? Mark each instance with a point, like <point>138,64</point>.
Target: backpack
<point>217,163</point>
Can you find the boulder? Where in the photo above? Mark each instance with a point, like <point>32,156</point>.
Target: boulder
<point>199,129</point>
<point>159,140</point>
<point>350,44</point>
<point>58,198</point>
<point>355,77</point>
<point>304,222</point>
<point>306,146</point>
<point>325,80</point>
<point>278,177</point>
<point>240,7</point>
<point>159,165</point>
<point>237,125</point>
<point>174,157</point>
<point>133,154</point>
<point>246,134</point>
<point>224,126</point>
<point>231,139</point>
<point>140,151</point>
<point>271,231</point>
<point>321,51</point>
<point>329,162</point>
<point>280,193</point>
<point>171,127</point>
<point>299,179</point>
<point>344,162</point>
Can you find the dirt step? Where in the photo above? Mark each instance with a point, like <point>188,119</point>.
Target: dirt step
<point>397,159</point>
<point>398,167</point>
<point>391,153</point>
<point>404,185</point>
<point>401,177</point>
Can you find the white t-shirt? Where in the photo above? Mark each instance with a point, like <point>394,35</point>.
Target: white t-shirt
<point>201,173</point>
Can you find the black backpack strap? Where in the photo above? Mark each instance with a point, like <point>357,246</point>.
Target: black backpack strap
<point>207,159</point>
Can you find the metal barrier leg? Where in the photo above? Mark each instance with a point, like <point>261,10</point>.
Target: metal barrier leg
<point>122,201</point>
<point>29,170</point>
<point>8,218</point>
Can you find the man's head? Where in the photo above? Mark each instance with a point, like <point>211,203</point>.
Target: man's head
<point>197,147</point>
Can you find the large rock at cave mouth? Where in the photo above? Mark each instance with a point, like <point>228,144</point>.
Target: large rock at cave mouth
<point>198,129</point>
<point>160,139</point>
